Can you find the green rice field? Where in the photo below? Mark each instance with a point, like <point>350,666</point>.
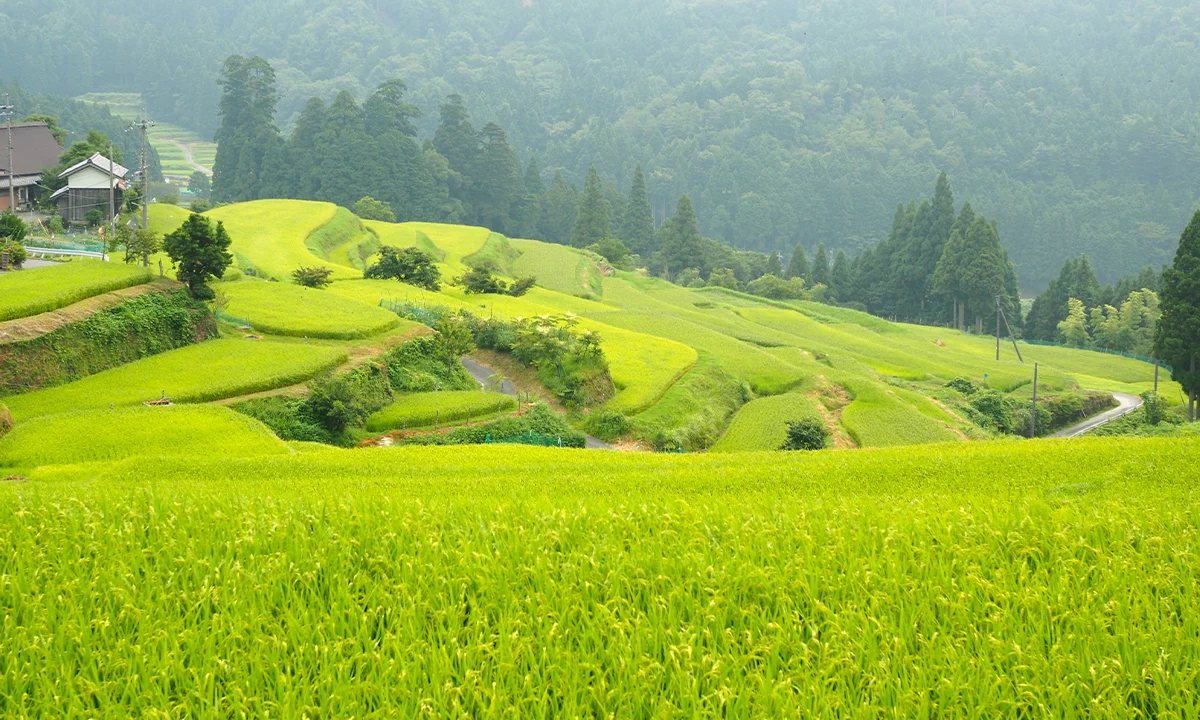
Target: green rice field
<point>443,408</point>
<point>283,309</point>
<point>117,434</point>
<point>985,580</point>
<point>269,236</point>
<point>40,290</point>
<point>762,423</point>
<point>208,371</point>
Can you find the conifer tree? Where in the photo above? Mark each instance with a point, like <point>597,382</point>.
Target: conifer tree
<point>498,186</point>
<point>526,214</point>
<point>774,265</point>
<point>683,246</point>
<point>819,272</point>
<point>839,278</point>
<point>559,208</point>
<point>637,227</point>
<point>247,131</point>
<point>798,267</point>
<point>591,226</point>
<point>304,172</point>
<point>456,140</point>
<point>1177,339</point>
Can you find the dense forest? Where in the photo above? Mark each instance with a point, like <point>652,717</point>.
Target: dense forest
<point>1073,126</point>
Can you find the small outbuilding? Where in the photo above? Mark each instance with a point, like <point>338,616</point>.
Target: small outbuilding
<point>88,188</point>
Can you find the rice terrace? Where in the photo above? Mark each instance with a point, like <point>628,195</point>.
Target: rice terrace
<point>386,418</point>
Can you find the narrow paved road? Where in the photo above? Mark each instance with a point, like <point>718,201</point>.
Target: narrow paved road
<point>1127,404</point>
<point>484,376</point>
<point>187,155</point>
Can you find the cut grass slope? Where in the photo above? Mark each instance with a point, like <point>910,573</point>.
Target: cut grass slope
<point>282,309</point>
<point>762,423</point>
<point>107,435</point>
<point>212,370</point>
<point>420,410</point>
<point>270,236</point>
<point>38,290</point>
<point>1005,579</point>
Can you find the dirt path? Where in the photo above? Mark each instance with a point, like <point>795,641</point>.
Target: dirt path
<point>30,328</point>
<point>187,155</point>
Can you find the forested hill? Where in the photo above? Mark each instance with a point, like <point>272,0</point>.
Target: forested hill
<point>1074,125</point>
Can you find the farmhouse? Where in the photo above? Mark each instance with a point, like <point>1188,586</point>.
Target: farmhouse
<point>88,187</point>
<point>34,149</point>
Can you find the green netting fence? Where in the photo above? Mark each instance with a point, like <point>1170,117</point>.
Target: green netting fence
<point>417,313</point>
<point>529,438</point>
<point>222,315</point>
<point>1121,353</point>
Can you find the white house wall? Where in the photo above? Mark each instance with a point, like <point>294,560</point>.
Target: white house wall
<point>89,178</point>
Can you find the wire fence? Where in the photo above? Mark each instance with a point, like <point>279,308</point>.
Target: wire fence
<point>1120,353</point>
<point>529,438</point>
<point>417,313</point>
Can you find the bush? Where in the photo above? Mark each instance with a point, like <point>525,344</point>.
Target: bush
<point>425,365</point>
<point>614,251</point>
<point>774,288</point>
<point>12,228</point>
<point>313,277</point>
<point>169,199</point>
<point>339,402</point>
<point>409,265</point>
<point>16,253</point>
<point>539,420</point>
<point>1154,408</point>
<point>963,385</point>
<point>522,286</point>
<point>608,425</point>
<point>200,206</point>
<point>369,208</point>
<point>806,434</point>
<point>6,421</point>
<point>94,218</point>
<point>287,417</point>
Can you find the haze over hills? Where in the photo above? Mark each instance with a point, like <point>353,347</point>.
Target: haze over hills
<point>1074,126</point>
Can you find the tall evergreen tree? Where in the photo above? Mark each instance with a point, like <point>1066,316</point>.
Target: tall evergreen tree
<point>456,140</point>
<point>304,177</point>
<point>637,227</point>
<point>526,215</point>
<point>498,180</point>
<point>984,274</point>
<point>774,265</point>
<point>1075,280</point>
<point>798,267</point>
<point>819,272</point>
<point>247,131</point>
<point>683,246</point>
<point>591,226</point>
<point>1177,339</point>
<point>559,208</point>
<point>343,153</point>
<point>396,167</point>
<point>839,278</point>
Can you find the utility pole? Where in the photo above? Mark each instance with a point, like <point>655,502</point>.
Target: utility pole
<point>144,126</point>
<point>997,328</point>
<point>1033,417</point>
<point>7,111</point>
<point>112,193</point>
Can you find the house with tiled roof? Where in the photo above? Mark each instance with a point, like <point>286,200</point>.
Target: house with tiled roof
<point>33,150</point>
<point>89,186</point>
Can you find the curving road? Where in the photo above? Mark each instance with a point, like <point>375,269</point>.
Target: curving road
<point>1127,404</point>
<point>484,376</point>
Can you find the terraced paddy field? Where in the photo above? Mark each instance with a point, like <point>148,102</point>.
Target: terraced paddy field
<point>282,309</point>
<point>208,371</point>
<point>439,408</point>
<point>989,579</point>
<point>269,236</point>
<point>34,291</point>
